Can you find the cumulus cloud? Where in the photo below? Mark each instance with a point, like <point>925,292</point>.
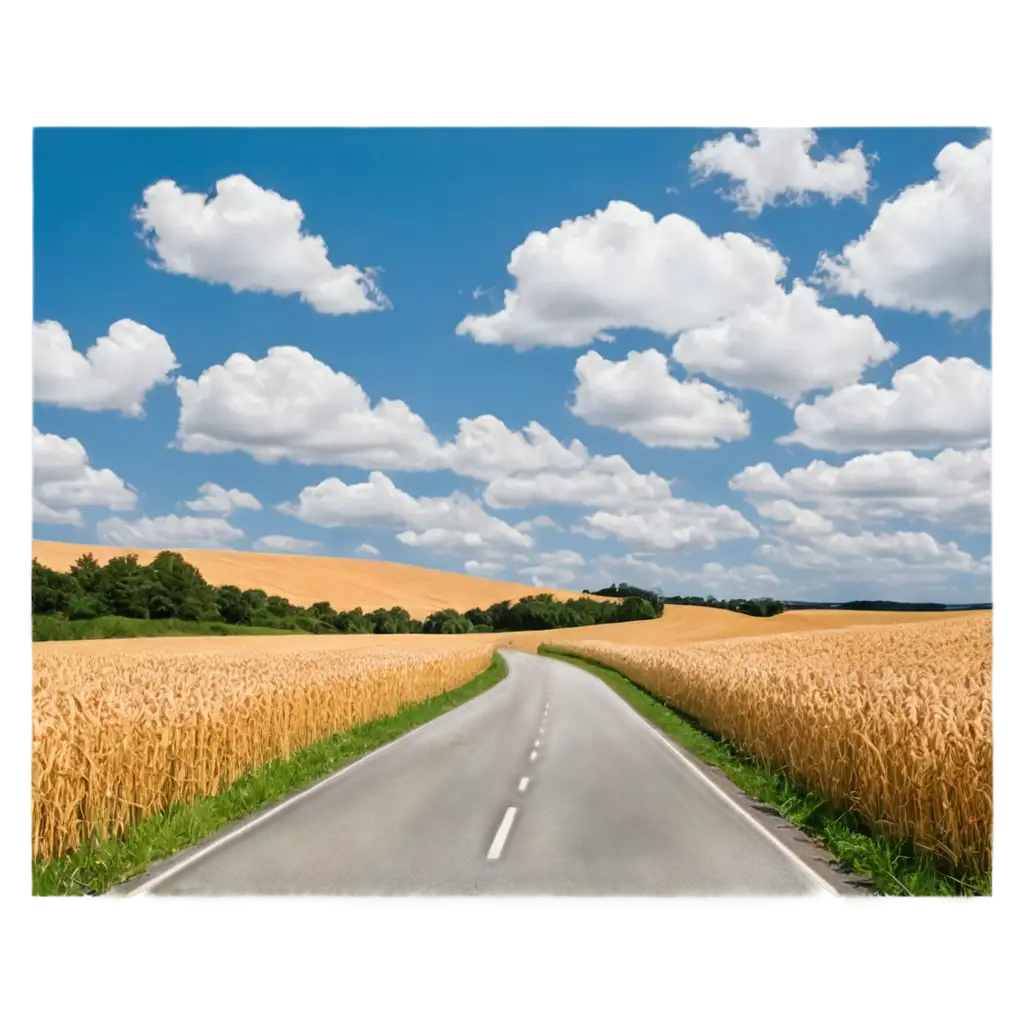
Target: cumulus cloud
<point>953,487</point>
<point>168,531</point>
<point>773,163</point>
<point>538,523</point>
<point>63,482</point>
<point>747,580</point>
<point>608,481</point>
<point>786,346</point>
<point>452,524</point>
<point>486,449</point>
<point>475,568</point>
<point>732,580</point>
<point>621,268</point>
<point>930,404</point>
<point>367,549</point>
<point>251,239</point>
<point>640,397</point>
<point>289,405</point>
<point>640,569</point>
<point>863,553</point>
<point>930,248</point>
<point>220,500</point>
<point>116,373</point>
<point>794,520</point>
<point>553,568</point>
<point>531,467</point>
<point>279,542</point>
<point>673,525</point>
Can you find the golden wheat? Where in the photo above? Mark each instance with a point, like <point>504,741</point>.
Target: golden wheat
<point>119,735</point>
<point>895,721</point>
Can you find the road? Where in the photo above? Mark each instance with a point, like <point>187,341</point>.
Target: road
<point>547,784</point>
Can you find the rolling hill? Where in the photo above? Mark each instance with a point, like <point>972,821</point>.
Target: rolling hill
<point>303,579</point>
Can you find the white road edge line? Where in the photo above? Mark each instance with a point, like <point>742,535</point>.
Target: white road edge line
<point>828,888</point>
<point>523,783</point>
<point>501,835</point>
<point>164,875</point>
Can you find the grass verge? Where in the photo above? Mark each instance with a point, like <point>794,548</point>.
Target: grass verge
<point>97,865</point>
<point>893,866</point>
<point>116,627</point>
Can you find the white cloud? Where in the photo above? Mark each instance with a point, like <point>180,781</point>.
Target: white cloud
<point>452,524</point>
<point>116,373</point>
<point>796,521</point>
<point>640,397</point>
<point>785,346</point>
<point>486,449</point>
<point>608,481</point>
<point>621,268</point>
<point>931,404</point>
<point>862,554</point>
<point>773,163</point>
<point>251,239</point>
<point>63,482</point>
<point>749,580</point>
<point>531,467</point>
<point>222,501</point>
<point>167,531</point>
<point>538,523</point>
<point>673,525</point>
<point>637,569</point>
<point>289,405</point>
<point>475,568</point>
<point>279,542</point>
<point>930,248</point>
<point>367,549</point>
<point>952,487</point>
<point>553,568</point>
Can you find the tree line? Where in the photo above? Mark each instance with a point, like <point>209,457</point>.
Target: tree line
<point>759,606</point>
<point>171,588</point>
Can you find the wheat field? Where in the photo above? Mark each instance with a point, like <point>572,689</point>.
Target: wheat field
<point>120,732</point>
<point>894,721</point>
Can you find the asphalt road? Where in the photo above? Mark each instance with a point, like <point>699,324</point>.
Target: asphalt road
<point>547,784</point>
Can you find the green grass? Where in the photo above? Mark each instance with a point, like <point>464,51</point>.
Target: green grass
<point>96,866</point>
<point>111,627</point>
<point>893,866</point>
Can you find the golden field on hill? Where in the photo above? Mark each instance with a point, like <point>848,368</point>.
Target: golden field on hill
<point>686,624</point>
<point>304,579</point>
<point>887,711</point>
<point>893,721</point>
<point>119,733</point>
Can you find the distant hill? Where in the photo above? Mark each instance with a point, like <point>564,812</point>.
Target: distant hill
<point>765,606</point>
<point>888,606</point>
<point>304,579</point>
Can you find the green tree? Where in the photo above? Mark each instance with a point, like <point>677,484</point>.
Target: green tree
<point>52,591</point>
<point>231,605</point>
<point>88,573</point>
<point>125,587</point>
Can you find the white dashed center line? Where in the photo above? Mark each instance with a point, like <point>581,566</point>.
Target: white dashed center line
<point>501,835</point>
<point>523,783</point>
<point>533,755</point>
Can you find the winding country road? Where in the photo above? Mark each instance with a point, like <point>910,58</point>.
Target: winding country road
<point>547,784</point>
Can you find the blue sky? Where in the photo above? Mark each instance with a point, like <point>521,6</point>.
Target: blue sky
<point>696,256</point>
